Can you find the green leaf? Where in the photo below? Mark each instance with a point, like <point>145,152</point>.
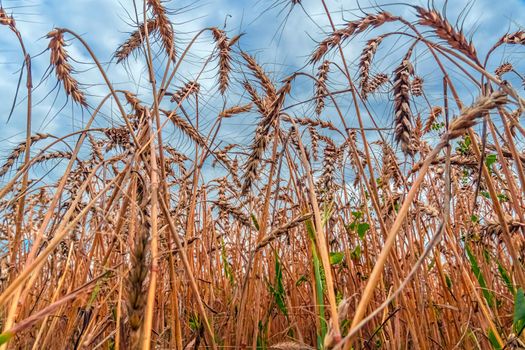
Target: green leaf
<point>301,280</point>
<point>481,280</point>
<point>448,281</point>
<point>474,218</point>
<point>278,289</point>
<point>494,341</point>
<point>255,222</point>
<point>362,228</point>
<point>490,159</point>
<point>357,214</point>
<point>356,253</point>
<point>506,278</point>
<point>519,311</point>
<point>5,337</point>
<point>336,258</point>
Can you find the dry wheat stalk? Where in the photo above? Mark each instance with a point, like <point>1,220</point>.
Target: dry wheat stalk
<point>63,70</point>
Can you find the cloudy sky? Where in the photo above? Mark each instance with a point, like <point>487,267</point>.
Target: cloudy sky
<point>278,34</point>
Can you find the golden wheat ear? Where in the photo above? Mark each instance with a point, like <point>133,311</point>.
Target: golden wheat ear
<point>64,70</point>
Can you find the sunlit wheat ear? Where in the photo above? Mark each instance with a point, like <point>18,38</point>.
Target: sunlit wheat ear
<point>516,38</point>
<point>185,127</point>
<point>503,68</point>
<point>365,61</point>
<point>190,88</point>
<point>18,151</point>
<point>314,140</point>
<point>374,84</point>
<point>320,86</point>
<point>224,47</point>
<point>135,39</point>
<point>403,114</point>
<point>6,20</point>
<point>435,112</point>
<point>230,112</point>
<point>353,27</point>
<point>445,31</point>
<point>164,26</point>
<point>254,97</point>
<point>469,116</point>
<point>260,74</point>
<point>136,290</point>
<point>63,70</point>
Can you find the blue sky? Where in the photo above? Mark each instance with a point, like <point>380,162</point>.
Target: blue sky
<point>274,34</point>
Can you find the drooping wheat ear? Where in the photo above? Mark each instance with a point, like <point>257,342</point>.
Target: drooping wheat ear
<point>234,211</point>
<point>262,137</point>
<point>416,87</point>
<point>136,290</point>
<point>435,112</point>
<point>320,86</point>
<point>324,124</point>
<point>63,70</point>
<point>365,62</point>
<point>445,31</point>
<point>517,38</point>
<point>260,74</point>
<point>118,136</point>
<point>227,113</point>
<point>403,114</point>
<point>52,155</point>
<point>225,58</point>
<point>374,84</point>
<point>18,151</point>
<point>6,20</point>
<point>502,69</point>
<point>353,27</point>
<point>135,39</point>
<point>135,103</point>
<point>190,88</point>
<point>257,150</point>
<point>164,26</point>
<point>469,116</point>
<point>185,127</point>
<point>256,99</point>
<point>271,109</point>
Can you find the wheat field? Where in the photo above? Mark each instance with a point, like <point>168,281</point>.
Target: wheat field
<point>378,201</point>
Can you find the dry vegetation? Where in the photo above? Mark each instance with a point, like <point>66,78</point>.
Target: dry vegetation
<point>318,234</point>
